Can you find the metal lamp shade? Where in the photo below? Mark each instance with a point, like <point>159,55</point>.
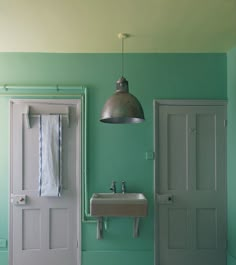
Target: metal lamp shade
<point>122,107</point>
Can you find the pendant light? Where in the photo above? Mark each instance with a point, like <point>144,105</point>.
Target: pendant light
<point>122,107</point>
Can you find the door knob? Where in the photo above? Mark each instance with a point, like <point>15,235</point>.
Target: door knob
<point>18,199</point>
<point>164,198</point>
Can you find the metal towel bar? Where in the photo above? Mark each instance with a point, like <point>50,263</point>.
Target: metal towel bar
<point>28,115</point>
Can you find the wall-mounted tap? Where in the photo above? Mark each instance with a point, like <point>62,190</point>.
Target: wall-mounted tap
<point>113,186</point>
<point>123,187</point>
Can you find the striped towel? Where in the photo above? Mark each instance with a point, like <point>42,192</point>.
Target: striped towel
<point>50,155</point>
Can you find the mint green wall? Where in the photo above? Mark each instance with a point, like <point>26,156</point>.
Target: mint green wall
<point>231,70</point>
<point>115,152</point>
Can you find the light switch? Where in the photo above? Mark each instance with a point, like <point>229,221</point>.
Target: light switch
<point>3,243</point>
<point>149,155</point>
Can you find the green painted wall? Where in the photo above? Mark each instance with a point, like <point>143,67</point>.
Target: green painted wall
<point>231,69</point>
<point>115,152</point>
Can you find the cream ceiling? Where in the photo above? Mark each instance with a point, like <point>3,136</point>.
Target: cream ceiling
<point>91,26</point>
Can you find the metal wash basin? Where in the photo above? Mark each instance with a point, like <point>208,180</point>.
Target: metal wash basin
<point>118,204</point>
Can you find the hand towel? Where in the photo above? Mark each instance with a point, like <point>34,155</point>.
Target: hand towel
<point>50,155</point>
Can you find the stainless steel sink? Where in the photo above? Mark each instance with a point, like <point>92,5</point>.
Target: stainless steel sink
<point>118,204</point>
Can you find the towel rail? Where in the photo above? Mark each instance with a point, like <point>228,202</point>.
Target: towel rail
<point>29,115</point>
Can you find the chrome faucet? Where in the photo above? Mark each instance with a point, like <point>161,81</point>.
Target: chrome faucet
<point>123,187</point>
<point>113,186</point>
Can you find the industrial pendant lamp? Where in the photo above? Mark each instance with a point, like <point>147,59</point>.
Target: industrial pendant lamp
<point>122,107</point>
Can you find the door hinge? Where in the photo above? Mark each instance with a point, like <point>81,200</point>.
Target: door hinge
<point>225,123</point>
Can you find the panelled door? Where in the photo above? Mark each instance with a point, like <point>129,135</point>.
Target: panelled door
<point>44,230</point>
<point>190,174</point>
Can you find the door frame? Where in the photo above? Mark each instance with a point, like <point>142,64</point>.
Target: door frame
<point>80,101</point>
<point>157,103</point>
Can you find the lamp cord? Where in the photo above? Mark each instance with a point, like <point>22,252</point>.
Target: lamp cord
<point>122,58</point>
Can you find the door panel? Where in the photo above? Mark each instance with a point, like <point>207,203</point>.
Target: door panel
<point>44,229</point>
<point>31,226</point>
<point>176,135</point>
<point>191,169</point>
<point>205,152</point>
<point>177,226</point>
<point>206,221</point>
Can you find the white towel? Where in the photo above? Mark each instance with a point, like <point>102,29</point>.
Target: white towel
<point>50,155</point>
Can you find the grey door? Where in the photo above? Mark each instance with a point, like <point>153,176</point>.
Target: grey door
<point>44,230</point>
<point>190,173</point>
